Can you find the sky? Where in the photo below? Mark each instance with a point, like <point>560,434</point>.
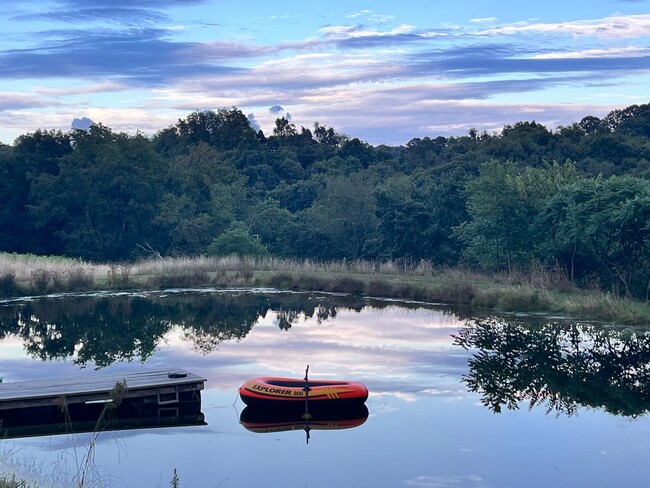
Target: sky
<point>383,71</point>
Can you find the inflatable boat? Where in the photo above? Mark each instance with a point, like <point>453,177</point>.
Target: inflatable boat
<point>269,392</point>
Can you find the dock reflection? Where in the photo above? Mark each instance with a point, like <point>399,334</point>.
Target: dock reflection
<point>97,417</point>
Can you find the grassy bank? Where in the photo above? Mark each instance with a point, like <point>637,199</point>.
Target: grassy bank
<point>538,291</point>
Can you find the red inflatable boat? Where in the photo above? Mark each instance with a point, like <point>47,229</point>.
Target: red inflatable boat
<point>286,392</point>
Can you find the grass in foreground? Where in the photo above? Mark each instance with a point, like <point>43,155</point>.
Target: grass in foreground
<point>539,291</point>
<point>12,482</point>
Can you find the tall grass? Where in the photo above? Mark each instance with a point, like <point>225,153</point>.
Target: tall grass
<point>540,289</point>
<point>42,274</point>
<point>86,472</point>
<point>10,481</point>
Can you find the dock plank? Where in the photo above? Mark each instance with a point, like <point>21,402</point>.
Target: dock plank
<point>85,388</point>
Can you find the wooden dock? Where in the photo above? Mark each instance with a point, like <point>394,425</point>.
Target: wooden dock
<point>161,387</point>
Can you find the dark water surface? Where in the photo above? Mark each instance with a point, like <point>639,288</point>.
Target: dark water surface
<point>454,401</point>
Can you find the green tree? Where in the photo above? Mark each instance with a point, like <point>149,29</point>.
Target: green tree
<point>341,223</point>
<point>32,155</point>
<point>204,195</point>
<point>103,198</point>
<point>225,129</point>
<point>417,214</point>
<point>603,225</point>
<point>274,226</point>
<point>503,203</point>
<point>238,240</point>
<point>327,135</point>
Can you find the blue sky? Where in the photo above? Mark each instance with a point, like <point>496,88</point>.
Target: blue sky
<point>383,71</point>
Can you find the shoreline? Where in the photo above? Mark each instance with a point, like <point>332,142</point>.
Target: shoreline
<point>541,292</point>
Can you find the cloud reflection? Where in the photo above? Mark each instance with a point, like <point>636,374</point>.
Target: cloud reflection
<point>398,352</point>
<point>447,482</point>
<point>395,352</point>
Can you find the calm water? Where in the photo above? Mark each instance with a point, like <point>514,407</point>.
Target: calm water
<point>453,402</point>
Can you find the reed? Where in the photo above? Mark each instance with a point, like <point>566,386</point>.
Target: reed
<point>523,300</point>
<point>86,474</point>
<point>18,470</point>
<point>607,307</point>
<point>7,481</point>
<point>540,289</point>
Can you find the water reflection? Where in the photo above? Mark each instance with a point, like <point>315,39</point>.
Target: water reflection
<point>426,428</point>
<point>106,329</point>
<point>97,418</point>
<point>103,330</point>
<point>559,366</point>
<point>265,420</point>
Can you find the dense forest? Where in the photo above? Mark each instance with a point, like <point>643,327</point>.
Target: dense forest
<point>575,199</point>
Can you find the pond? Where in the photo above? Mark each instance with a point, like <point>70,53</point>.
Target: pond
<point>455,401</point>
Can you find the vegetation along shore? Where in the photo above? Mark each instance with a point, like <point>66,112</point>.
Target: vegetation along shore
<point>540,290</point>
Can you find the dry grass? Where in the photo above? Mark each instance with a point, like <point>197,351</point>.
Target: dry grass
<point>539,290</point>
<point>7,481</point>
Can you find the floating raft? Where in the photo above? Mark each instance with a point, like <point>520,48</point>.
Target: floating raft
<point>160,387</point>
<point>272,392</point>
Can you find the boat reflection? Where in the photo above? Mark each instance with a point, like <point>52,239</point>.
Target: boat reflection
<point>96,417</point>
<point>268,420</point>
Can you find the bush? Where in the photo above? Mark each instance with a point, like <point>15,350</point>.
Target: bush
<point>282,281</point>
<point>380,288</point>
<point>119,277</point>
<point>347,285</point>
<point>79,279</point>
<point>488,299</point>
<point>8,283</point>
<point>522,301</point>
<point>182,279</point>
<point>237,240</point>
<point>457,293</point>
<point>416,293</point>
<point>41,278</point>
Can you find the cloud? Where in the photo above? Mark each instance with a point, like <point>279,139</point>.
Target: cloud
<point>101,87</point>
<point>360,13</point>
<point>339,76</point>
<point>82,123</point>
<point>618,52</point>
<point>90,15</point>
<point>499,59</point>
<point>483,20</point>
<point>615,27</point>
<point>424,111</point>
<point>360,31</point>
<point>143,56</point>
<point>251,120</point>
<point>120,11</point>
<point>372,17</point>
<point>75,4</point>
<point>15,101</point>
<point>276,110</point>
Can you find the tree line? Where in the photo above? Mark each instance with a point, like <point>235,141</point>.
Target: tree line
<point>575,199</point>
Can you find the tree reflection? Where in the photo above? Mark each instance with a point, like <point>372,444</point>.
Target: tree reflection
<point>103,330</point>
<point>560,366</point>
